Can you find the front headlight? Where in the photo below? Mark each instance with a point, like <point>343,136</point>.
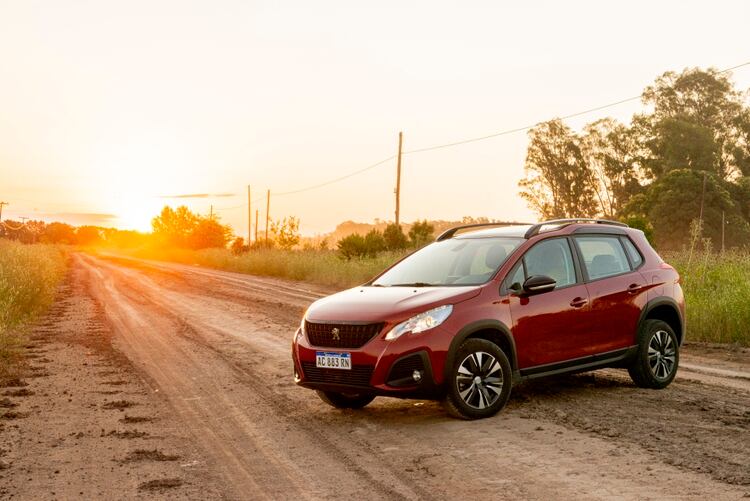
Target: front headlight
<point>422,322</point>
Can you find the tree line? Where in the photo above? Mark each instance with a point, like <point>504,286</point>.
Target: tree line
<point>686,158</point>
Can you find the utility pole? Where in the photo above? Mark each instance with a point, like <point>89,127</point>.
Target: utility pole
<point>1,209</point>
<point>398,179</point>
<point>256,225</point>
<point>722,232</point>
<point>268,214</point>
<point>249,217</point>
<point>211,213</point>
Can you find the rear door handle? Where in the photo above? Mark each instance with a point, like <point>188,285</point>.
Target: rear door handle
<point>633,288</point>
<point>578,302</point>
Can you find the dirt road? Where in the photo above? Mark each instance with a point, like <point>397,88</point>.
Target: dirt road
<point>208,352</point>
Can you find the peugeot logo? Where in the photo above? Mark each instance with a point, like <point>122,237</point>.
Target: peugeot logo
<point>335,334</point>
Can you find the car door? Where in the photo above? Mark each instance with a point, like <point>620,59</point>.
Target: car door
<point>616,289</point>
<point>552,326</point>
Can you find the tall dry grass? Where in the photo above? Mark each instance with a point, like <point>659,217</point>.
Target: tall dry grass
<point>316,266</point>
<point>717,294</point>
<point>29,275</point>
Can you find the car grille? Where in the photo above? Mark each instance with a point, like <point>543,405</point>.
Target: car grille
<point>346,335</point>
<point>358,375</point>
<point>402,370</point>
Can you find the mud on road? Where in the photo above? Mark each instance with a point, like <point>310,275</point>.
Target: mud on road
<point>204,357</point>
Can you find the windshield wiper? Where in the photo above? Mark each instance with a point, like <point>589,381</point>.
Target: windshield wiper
<point>413,284</point>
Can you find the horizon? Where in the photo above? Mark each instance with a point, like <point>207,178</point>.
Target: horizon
<point>205,101</point>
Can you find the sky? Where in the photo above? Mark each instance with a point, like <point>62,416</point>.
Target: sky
<point>109,110</point>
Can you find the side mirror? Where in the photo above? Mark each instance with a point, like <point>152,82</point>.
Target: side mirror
<point>538,284</point>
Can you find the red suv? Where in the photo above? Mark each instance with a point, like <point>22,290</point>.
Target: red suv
<point>465,317</point>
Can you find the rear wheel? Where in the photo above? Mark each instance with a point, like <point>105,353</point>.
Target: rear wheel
<point>655,365</point>
<point>345,400</point>
<point>480,380</point>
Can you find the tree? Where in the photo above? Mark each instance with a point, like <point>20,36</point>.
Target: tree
<point>173,226</point>
<point>558,182</point>
<point>59,233</point>
<point>394,237</point>
<point>286,232</point>
<point>208,233</point>
<point>374,242</point>
<point>699,121</point>
<point>88,235</point>
<point>610,153</point>
<point>671,203</point>
<point>352,246</point>
<point>238,246</point>
<point>421,233</point>
<point>181,228</point>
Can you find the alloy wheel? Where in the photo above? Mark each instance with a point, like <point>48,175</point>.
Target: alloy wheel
<point>479,380</point>
<point>661,354</point>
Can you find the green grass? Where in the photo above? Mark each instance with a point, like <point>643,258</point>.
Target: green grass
<point>717,295</point>
<point>29,275</point>
<point>315,266</point>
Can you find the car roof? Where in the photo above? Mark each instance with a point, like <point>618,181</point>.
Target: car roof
<point>490,230</point>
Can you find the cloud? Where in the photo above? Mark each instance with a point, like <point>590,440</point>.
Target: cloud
<point>200,195</point>
<point>77,218</point>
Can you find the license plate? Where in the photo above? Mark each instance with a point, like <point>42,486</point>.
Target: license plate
<point>333,360</point>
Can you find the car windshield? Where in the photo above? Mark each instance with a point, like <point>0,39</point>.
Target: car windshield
<point>461,261</point>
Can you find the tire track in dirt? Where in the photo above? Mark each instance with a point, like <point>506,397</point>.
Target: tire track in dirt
<point>256,467</point>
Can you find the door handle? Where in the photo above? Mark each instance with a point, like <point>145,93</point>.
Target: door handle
<point>633,288</point>
<point>578,302</point>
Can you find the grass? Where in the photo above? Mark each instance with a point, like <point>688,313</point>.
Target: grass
<point>717,295</point>
<point>29,275</point>
<point>320,267</point>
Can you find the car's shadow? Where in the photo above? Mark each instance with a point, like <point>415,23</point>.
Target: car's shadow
<point>545,391</point>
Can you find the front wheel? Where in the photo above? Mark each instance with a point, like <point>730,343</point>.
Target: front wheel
<point>655,364</point>
<point>345,400</point>
<point>479,381</point>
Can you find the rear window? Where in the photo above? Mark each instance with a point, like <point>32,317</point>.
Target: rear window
<point>603,256</point>
<point>633,254</point>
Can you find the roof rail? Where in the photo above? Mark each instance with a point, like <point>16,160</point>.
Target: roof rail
<point>535,229</point>
<point>452,231</point>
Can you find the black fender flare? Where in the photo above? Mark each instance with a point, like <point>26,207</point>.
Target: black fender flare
<point>664,301</point>
<point>473,328</point>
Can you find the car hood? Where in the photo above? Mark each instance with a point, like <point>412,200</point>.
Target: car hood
<point>385,304</point>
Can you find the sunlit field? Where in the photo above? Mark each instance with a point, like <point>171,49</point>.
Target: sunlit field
<point>29,275</point>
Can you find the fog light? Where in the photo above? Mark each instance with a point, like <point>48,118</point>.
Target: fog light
<point>416,376</point>
<point>297,379</point>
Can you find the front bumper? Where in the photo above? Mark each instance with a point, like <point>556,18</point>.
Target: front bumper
<point>379,367</point>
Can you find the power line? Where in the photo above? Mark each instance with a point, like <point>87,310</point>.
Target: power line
<point>474,140</point>
<point>527,127</point>
<point>336,180</point>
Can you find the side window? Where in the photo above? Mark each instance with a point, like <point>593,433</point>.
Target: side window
<point>635,256</point>
<point>603,256</point>
<point>551,258</point>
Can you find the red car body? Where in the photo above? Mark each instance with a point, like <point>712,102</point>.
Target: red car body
<point>590,324</point>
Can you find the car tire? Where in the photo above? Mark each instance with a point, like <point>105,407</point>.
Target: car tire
<point>345,400</point>
<point>479,381</point>
<point>658,357</point>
